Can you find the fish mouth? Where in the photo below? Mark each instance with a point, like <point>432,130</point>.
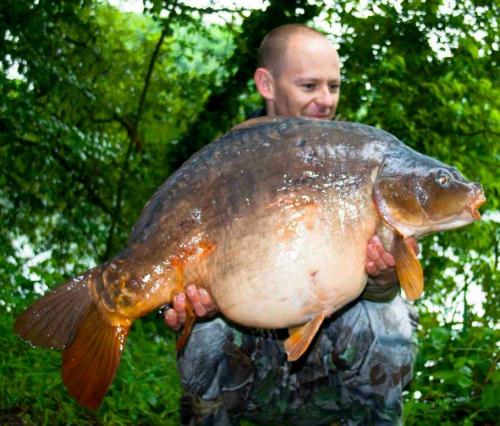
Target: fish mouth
<point>475,204</point>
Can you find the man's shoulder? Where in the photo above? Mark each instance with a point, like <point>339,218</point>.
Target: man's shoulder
<point>261,112</point>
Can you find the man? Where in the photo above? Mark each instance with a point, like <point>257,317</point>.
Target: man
<point>362,358</point>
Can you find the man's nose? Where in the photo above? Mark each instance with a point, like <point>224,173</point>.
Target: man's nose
<point>325,97</point>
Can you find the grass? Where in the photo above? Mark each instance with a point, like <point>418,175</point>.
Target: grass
<point>145,391</point>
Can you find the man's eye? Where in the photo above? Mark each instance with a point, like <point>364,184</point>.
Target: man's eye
<point>334,88</point>
<point>309,86</point>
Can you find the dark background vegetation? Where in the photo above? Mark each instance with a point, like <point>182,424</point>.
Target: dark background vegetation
<point>98,106</point>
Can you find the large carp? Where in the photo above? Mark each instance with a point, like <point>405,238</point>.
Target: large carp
<point>273,219</point>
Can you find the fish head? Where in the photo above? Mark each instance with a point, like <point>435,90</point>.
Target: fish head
<point>417,195</point>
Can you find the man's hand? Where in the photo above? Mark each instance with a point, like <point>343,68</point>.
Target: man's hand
<point>200,300</point>
<point>380,264</point>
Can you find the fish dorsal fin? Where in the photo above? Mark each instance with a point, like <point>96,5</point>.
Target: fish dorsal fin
<point>252,122</point>
<point>408,268</point>
<point>301,337</point>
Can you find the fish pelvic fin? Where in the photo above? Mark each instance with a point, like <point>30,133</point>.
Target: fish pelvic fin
<point>408,268</point>
<point>53,320</point>
<point>90,362</point>
<point>186,328</point>
<point>301,337</point>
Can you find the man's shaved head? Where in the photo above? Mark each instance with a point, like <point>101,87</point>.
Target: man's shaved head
<point>272,50</point>
<point>298,73</point>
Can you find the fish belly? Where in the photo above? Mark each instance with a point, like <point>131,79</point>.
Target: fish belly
<point>284,282</point>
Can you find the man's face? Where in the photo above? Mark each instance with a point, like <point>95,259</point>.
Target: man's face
<point>309,82</point>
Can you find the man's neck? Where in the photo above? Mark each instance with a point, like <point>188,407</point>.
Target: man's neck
<point>270,109</point>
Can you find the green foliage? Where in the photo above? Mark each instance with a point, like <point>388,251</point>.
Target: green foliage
<point>99,106</point>
<point>145,391</point>
<point>457,379</point>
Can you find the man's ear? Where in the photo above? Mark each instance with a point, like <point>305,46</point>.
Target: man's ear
<point>264,82</point>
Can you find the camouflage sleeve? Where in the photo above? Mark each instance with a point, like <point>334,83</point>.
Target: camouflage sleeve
<point>376,292</point>
<point>353,374</point>
<point>216,375</point>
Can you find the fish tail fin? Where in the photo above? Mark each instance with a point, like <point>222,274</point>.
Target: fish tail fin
<point>69,318</point>
<point>53,320</point>
<point>91,361</point>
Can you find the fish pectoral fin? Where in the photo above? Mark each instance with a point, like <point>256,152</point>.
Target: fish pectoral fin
<point>301,337</point>
<point>91,360</point>
<point>408,268</point>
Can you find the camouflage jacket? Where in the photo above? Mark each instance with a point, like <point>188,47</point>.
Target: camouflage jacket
<point>353,374</point>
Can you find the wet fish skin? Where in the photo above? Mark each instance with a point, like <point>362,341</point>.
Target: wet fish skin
<point>266,218</point>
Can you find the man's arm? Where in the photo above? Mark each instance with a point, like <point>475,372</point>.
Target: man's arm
<point>380,267</point>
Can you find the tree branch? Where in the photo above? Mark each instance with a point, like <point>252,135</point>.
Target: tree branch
<point>485,131</point>
<point>140,108</point>
<point>132,131</point>
<point>115,216</point>
<point>77,174</point>
<point>210,10</point>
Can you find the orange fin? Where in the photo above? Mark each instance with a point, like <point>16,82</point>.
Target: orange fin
<point>90,362</point>
<point>186,328</point>
<point>52,321</point>
<point>408,268</point>
<point>301,337</point>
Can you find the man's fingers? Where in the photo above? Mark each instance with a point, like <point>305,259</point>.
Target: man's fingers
<point>206,300</point>
<point>170,317</point>
<point>386,258</point>
<point>374,256</point>
<point>194,297</point>
<point>371,251</point>
<point>180,307</point>
<point>200,300</point>
<point>372,269</point>
<point>378,260</point>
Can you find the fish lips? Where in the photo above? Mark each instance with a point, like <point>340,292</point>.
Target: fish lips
<point>477,202</point>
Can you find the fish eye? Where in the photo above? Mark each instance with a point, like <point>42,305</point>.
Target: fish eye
<point>443,179</point>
